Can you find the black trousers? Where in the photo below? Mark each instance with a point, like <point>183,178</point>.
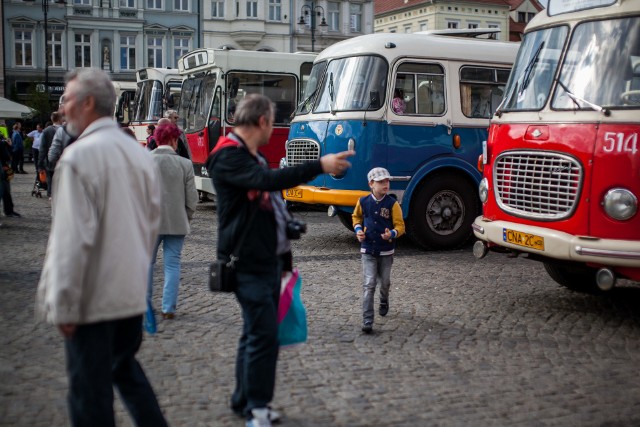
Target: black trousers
<point>99,356</point>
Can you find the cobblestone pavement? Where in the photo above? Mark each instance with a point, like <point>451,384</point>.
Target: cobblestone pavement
<point>466,343</point>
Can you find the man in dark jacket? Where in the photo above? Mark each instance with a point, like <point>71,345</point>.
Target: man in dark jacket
<point>45,143</point>
<point>244,183</point>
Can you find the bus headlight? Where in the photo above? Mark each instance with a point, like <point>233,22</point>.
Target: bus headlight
<point>483,190</point>
<point>620,204</point>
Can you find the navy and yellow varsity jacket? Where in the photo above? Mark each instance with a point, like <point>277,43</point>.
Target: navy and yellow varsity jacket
<point>374,216</point>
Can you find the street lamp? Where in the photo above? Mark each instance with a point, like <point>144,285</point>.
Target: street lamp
<point>314,11</point>
<point>45,9</point>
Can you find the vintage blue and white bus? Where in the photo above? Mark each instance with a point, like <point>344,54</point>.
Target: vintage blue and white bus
<point>429,138</point>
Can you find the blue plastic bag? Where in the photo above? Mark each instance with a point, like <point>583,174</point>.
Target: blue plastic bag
<point>149,319</point>
<point>292,316</point>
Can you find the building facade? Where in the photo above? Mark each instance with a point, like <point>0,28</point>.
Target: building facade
<point>410,16</point>
<point>119,36</point>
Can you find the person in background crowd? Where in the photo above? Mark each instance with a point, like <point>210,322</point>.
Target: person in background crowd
<point>151,142</point>
<point>61,140</point>
<point>179,199</point>
<point>35,147</point>
<point>5,184</point>
<point>93,284</point>
<point>245,188</point>
<point>45,143</point>
<point>183,146</point>
<point>17,149</point>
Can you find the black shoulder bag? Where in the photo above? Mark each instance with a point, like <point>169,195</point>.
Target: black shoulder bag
<point>222,274</point>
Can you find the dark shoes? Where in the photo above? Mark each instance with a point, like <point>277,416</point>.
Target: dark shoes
<point>367,327</point>
<point>384,308</point>
<point>168,316</point>
<point>13,215</point>
<point>23,172</point>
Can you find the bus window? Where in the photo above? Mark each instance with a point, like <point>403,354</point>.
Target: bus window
<point>422,86</point>
<point>481,90</point>
<point>591,57</point>
<point>311,87</point>
<point>280,88</point>
<point>350,83</point>
<point>539,54</point>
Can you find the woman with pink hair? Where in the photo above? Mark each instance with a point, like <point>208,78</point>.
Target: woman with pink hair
<point>179,199</point>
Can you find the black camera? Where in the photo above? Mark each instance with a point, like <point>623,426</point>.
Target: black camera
<point>295,229</point>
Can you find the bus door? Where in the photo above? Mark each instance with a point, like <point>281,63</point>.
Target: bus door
<point>419,122</point>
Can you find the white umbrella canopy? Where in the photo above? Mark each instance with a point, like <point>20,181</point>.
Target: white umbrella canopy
<point>13,110</point>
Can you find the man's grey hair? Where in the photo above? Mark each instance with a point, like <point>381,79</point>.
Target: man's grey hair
<point>251,108</point>
<point>169,113</point>
<point>96,83</point>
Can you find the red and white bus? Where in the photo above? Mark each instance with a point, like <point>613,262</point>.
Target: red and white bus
<point>215,80</point>
<point>562,160</point>
<point>158,91</point>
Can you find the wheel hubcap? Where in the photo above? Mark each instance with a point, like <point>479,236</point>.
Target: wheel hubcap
<point>445,212</point>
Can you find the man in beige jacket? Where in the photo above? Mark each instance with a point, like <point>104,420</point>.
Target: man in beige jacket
<point>93,283</point>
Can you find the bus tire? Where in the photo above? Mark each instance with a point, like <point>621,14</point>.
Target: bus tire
<point>575,277</point>
<point>442,211</point>
<point>345,219</point>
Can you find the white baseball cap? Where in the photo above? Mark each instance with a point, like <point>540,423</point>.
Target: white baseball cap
<point>378,174</point>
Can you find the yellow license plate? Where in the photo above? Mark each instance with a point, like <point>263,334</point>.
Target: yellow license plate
<point>523,239</point>
<point>294,192</point>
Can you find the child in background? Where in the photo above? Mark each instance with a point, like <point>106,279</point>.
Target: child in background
<point>377,221</point>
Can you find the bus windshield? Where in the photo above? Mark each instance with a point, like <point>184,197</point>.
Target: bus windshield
<point>599,72</point>
<point>354,83</point>
<point>197,95</point>
<point>533,71</point>
<point>311,87</point>
<point>148,101</point>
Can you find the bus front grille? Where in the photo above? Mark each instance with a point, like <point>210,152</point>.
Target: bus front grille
<point>538,185</point>
<point>302,150</point>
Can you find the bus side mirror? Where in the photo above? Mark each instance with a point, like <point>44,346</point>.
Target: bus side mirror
<point>374,100</point>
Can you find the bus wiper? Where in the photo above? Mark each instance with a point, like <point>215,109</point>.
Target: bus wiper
<point>302,103</point>
<point>331,93</point>
<point>576,99</point>
<point>525,77</point>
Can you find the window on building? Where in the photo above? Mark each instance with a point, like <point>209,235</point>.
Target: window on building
<point>407,29</point>
<point>522,17</point>
<point>530,16</point>
<point>424,26</point>
<point>24,48</point>
<point>355,18</point>
<point>217,9</point>
<point>180,47</point>
<point>472,26</point>
<point>83,50</point>
<point>82,2</point>
<point>275,10</point>
<point>154,51</point>
<point>333,15</point>
<point>128,52</point>
<point>252,9</point>
<point>55,49</point>
<point>154,4</point>
<point>181,5</point>
<point>453,24</point>
<point>127,3</point>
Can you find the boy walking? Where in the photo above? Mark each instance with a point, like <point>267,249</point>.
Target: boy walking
<point>377,221</point>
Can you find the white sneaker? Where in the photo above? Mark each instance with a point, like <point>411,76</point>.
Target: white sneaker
<point>260,418</point>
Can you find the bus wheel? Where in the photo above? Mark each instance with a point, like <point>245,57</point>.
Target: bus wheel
<point>345,219</point>
<point>442,212</point>
<point>575,277</point>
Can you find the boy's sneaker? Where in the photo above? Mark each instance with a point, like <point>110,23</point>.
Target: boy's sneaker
<point>367,327</point>
<point>274,416</point>
<point>384,308</point>
<point>259,418</point>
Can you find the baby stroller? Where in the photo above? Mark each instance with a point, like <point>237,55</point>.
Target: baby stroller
<point>40,184</point>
